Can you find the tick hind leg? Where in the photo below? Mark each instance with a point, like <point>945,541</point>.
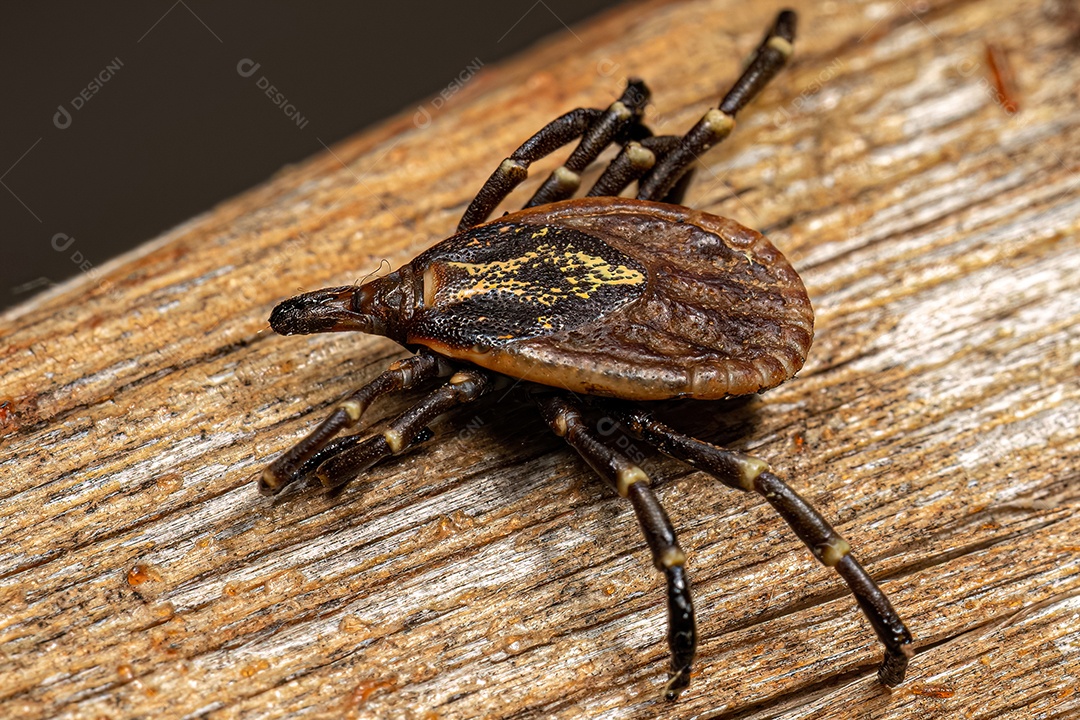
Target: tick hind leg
<point>596,128</point>
<point>295,462</point>
<point>744,472</point>
<point>563,415</point>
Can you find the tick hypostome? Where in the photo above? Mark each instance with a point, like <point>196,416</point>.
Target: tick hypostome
<point>599,304</point>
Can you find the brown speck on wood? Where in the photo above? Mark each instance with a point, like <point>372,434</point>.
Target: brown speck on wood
<point>140,573</point>
<point>935,691</point>
<point>1004,78</point>
<point>938,239</point>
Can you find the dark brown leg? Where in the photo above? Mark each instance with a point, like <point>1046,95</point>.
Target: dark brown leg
<point>717,124</point>
<point>678,191</point>
<point>340,445</point>
<point>405,430</point>
<point>634,160</point>
<point>745,472</point>
<point>564,416</point>
<point>597,129</point>
<point>514,169</point>
<point>615,121</point>
<point>402,375</point>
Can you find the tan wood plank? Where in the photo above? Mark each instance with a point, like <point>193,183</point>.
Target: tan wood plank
<point>488,573</point>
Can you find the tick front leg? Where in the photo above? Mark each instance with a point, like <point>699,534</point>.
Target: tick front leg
<point>748,473</point>
<point>402,375</point>
<point>405,430</point>
<point>563,415</point>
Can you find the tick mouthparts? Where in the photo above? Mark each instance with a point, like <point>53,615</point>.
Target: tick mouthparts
<point>327,310</point>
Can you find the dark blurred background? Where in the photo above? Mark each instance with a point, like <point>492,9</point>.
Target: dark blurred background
<point>124,119</point>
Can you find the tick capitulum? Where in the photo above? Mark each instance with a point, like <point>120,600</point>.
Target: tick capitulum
<point>623,300</point>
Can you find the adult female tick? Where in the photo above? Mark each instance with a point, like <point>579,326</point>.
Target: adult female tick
<point>600,305</point>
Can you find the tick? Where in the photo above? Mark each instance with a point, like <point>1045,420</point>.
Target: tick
<point>599,306</point>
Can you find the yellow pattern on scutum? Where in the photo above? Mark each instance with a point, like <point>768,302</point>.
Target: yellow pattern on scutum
<point>584,274</point>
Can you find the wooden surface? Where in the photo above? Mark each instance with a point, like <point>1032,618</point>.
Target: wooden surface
<point>489,574</point>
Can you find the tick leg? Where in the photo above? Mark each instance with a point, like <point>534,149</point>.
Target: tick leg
<point>514,169</point>
<point>616,120</point>
<point>341,444</point>
<point>718,123</point>
<point>633,161</point>
<point>402,375</point>
<point>678,190</point>
<point>745,472</point>
<point>630,481</point>
<point>599,128</point>
<point>405,430</point>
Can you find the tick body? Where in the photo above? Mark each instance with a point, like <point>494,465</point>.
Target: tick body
<point>604,296</point>
<point>599,305</point>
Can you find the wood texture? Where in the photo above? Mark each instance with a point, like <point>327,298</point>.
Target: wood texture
<point>489,574</point>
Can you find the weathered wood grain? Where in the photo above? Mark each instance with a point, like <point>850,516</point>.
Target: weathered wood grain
<point>488,574</point>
